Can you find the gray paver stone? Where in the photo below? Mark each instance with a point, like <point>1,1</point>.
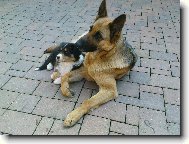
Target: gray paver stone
<point>124,128</point>
<point>165,81</point>
<point>6,98</point>
<point>163,56</point>
<point>112,110</point>
<point>162,72</point>
<point>132,115</point>
<point>95,126</point>
<point>53,108</point>
<point>173,113</point>
<point>46,89</point>
<point>154,101</point>
<point>15,73</point>
<point>172,96</point>
<point>2,111</point>
<point>128,89</point>
<point>153,63</point>
<point>25,103</point>
<point>151,89</point>
<point>39,75</point>
<point>175,71</point>
<point>18,123</point>
<point>4,79</point>
<point>59,129</point>
<point>174,129</point>
<point>22,65</point>
<point>152,122</point>
<point>21,85</point>
<point>44,126</point>
<point>4,67</point>
<point>139,77</point>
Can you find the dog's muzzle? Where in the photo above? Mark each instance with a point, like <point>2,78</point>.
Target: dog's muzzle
<point>80,44</point>
<point>84,46</point>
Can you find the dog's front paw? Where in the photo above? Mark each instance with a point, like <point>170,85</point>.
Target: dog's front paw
<point>67,92</point>
<point>73,117</point>
<point>57,81</point>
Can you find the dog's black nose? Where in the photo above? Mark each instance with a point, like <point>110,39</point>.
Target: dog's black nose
<point>57,57</point>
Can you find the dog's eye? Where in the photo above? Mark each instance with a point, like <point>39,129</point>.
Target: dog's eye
<point>98,36</point>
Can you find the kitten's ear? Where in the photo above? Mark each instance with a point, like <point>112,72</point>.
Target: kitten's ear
<point>102,12</point>
<point>116,27</point>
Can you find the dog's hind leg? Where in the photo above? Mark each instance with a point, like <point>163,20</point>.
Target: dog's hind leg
<point>108,91</point>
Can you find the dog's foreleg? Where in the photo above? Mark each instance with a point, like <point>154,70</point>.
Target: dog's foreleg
<point>72,76</point>
<point>55,75</point>
<point>108,91</point>
<point>57,81</point>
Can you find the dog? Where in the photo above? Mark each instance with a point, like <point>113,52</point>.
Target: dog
<point>108,58</point>
<point>69,58</point>
<point>51,60</point>
<point>54,51</point>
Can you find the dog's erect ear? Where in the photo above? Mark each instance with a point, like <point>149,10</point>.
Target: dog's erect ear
<point>102,12</point>
<point>116,27</point>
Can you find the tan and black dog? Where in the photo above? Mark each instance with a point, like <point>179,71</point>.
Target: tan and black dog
<point>108,58</point>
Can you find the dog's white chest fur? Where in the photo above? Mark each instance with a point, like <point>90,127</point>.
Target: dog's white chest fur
<point>64,67</point>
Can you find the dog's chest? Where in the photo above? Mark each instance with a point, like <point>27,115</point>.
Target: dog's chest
<point>94,63</point>
<point>64,67</point>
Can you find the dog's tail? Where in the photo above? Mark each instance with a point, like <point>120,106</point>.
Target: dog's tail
<point>50,49</point>
<point>135,57</point>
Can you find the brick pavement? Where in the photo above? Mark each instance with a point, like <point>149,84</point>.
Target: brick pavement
<point>149,96</point>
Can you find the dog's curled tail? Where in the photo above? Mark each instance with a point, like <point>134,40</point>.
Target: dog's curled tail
<point>135,57</point>
<point>50,49</point>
